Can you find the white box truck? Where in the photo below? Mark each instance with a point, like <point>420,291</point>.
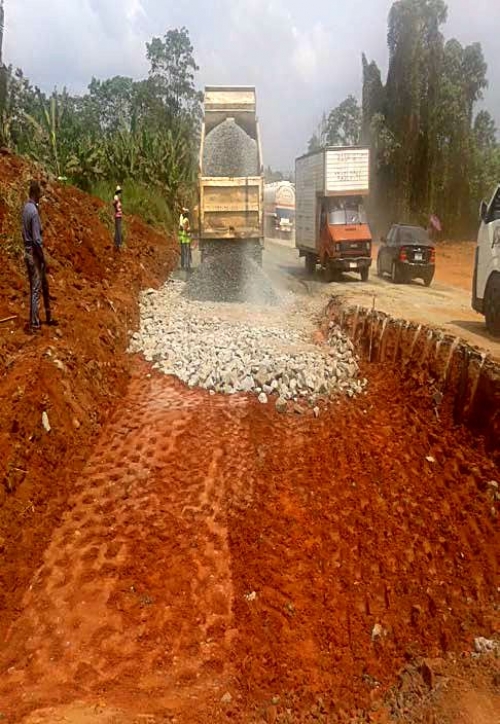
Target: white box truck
<point>330,220</point>
<point>486,282</point>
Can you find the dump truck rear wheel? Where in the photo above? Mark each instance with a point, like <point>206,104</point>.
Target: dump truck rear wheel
<point>365,273</point>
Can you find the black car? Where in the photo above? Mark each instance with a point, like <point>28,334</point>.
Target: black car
<point>407,253</point>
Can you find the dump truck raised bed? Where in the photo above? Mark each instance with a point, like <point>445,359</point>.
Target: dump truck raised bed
<point>331,226</point>
<point>231,181</point>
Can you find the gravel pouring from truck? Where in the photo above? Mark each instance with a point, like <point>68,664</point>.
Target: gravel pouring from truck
<point>231,181</point>
<point>331,225</point>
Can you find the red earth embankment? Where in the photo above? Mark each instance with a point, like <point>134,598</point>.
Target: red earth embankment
<point>75,372</point>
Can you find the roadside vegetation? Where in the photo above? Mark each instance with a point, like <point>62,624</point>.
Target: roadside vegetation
<point>142,134</point>
<point>433,152</point>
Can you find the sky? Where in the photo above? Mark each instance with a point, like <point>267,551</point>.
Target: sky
<point>304,58</point>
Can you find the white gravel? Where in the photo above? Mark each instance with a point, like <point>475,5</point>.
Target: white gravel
<point>239,348</point>
<point>230,151</point>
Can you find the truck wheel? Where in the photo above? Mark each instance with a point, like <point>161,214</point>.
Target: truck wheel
<point>310,264</point>
<point>365,273</point>
<point>332,274</point>
<point>492,306</point>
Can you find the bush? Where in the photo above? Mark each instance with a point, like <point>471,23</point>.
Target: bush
<point>145,201</point>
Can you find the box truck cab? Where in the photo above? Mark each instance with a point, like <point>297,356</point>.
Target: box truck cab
<point>331,225</point>
<point>486,282</point>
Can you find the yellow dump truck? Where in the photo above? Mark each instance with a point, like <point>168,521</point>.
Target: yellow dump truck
<point>231,181</point>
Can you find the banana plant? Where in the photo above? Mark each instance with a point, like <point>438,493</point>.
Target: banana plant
<point>47,130</point>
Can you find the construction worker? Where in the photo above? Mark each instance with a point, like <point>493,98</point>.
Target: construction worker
<point>117,204</point>
<point>185,240</point>
<point>35,260</point>
<point>184,210</point>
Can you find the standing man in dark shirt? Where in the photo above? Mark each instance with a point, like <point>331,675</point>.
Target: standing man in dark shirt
<point>35,261</point>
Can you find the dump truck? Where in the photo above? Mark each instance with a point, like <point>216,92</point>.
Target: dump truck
<point>279,209</point>
<point>486,280</point>
<point>231,180</point>
<point>331,227</point>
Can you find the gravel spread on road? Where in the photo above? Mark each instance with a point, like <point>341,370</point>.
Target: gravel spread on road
<point>241,348</point>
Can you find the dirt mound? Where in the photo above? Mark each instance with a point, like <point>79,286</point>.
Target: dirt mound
<point>73,373</point>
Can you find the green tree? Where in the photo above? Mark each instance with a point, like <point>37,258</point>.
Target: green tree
<point>172,74</point>
<point>314,143</point>
<point>344,124</point>
<point>109,103</point>
<point>420,124</point>
<point>485,131</point>
<point>143,131</point>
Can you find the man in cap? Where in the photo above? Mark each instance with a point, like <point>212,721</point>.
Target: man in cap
<point>35,260</point>
<point>117,203</point>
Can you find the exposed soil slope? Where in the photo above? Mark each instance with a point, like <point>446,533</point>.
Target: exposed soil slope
<point>74,372</point>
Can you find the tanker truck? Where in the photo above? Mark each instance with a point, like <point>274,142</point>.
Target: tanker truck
<point>231,180</point>
<point>279,209</point>
<point>331,225</point>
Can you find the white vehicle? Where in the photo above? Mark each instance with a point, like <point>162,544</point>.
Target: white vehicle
<point>279,209</point>
<point>486,284</point>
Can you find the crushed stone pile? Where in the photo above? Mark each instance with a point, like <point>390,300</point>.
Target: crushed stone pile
<point>230,151</point>
<point>239,279</point>
<point>229,349</point>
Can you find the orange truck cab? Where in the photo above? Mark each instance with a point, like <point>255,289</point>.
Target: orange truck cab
<point>331,225</point>
<point>345,240</point>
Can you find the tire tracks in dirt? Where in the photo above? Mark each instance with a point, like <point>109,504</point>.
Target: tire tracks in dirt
<point>135,595</point>
<point>190,503</point>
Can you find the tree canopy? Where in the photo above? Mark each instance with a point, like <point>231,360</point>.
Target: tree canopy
<point>145,130</point>
<point>432,152</point>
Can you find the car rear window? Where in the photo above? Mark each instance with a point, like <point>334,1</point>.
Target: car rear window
<point>413,235</point>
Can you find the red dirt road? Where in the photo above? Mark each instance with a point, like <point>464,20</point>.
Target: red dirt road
<point>211,546</point>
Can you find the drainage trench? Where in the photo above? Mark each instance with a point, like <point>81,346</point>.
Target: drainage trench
<point>465,382</point>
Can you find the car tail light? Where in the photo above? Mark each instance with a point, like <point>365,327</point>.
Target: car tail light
<point>433,256</point>
<point>403,256</point>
